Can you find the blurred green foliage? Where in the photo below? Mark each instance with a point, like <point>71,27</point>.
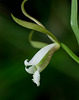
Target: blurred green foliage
<point>60,80</point>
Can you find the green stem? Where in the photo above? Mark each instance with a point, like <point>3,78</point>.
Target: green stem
<point>74,22</point>
<point>76,58</point>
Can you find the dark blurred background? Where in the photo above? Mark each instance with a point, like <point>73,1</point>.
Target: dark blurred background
<point>60,80</point>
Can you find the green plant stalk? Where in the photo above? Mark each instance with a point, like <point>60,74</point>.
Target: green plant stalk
<point>71,54</point>
<point>74,22</point>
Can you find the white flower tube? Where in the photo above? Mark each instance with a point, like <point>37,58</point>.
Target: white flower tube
<point>40,61</point>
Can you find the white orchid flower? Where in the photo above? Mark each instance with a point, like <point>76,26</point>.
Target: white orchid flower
<point>40,61</point>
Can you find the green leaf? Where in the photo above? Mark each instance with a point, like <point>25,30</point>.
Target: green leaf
<point>36,44</point>
<point>35,27</point>
<point>70,52</point>
<point>74,22</point>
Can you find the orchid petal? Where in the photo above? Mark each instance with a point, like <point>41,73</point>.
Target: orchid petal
<point>26,63</point>
<point>42,52</point>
